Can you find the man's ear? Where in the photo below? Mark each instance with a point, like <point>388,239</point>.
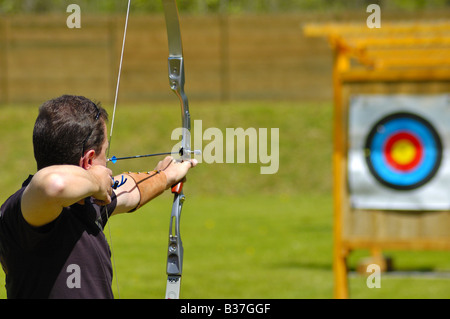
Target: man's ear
<point>86,160</point>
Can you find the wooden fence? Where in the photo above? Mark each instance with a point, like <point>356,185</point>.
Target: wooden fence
<point>227,58</point>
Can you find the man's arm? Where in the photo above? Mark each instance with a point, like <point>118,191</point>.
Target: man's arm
<point>140,188</point>
<point>56,187</point>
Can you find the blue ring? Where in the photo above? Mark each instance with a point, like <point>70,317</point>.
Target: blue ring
<point>423,131</point>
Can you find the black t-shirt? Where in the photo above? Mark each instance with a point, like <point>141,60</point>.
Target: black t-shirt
<point>68,258</point>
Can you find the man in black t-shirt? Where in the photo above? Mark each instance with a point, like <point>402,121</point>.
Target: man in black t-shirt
<point>51,230</point>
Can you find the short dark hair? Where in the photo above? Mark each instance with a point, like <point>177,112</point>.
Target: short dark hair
<point>65,127</point>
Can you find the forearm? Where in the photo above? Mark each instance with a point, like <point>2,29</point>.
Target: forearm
<point>139,189</point>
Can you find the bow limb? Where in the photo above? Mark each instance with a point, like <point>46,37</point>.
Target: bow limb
<point>176,71</point>
<point>176,82</point>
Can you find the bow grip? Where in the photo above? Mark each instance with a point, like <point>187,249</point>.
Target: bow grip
<point>178,188</point>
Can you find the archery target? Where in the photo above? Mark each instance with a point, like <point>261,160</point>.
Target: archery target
<point>398,152</point>
<point>403,151</point>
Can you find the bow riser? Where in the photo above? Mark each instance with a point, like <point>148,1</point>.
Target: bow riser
<point>176,82</point>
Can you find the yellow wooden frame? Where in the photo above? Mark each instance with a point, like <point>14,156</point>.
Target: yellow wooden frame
<point>396,57</point>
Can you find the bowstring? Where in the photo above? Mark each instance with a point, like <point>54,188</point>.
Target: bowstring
<point>110,137</point>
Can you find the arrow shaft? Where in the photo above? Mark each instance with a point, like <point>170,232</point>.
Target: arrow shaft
<point>182,152</point>
<point>114,159</point>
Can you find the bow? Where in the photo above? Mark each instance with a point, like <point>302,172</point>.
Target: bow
<point>176,82</point>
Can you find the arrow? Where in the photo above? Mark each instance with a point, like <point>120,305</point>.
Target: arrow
<point>114,159</point>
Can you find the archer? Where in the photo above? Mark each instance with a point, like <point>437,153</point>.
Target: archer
<point>56,219</point>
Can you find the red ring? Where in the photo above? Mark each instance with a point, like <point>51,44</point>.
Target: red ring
<point>403,136</point>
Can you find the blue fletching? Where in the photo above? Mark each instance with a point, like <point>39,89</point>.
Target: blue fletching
<point>114,159</point>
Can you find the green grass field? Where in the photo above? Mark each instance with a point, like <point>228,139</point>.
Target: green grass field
<point>245,235</point>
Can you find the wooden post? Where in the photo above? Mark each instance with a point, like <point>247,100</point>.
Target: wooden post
<point>341,63</point>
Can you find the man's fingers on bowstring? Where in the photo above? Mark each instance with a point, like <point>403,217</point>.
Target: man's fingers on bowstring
<point>110,189</point>
<point>103,199</point>
<point>103,175</point>
<point>108,177</point>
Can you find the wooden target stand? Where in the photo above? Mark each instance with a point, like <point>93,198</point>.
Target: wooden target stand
<point>395,59</point>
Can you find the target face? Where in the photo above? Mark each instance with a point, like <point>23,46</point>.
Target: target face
<point>398,155</point>
<point>403,151</point>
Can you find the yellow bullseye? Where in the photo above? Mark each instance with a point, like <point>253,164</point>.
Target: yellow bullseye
<point>403,152</point>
